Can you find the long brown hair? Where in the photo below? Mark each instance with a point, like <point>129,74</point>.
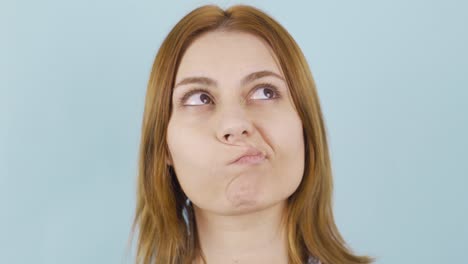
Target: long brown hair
<point>166,223</point>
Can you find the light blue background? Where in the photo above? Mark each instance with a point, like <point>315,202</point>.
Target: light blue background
<point>392,77</point>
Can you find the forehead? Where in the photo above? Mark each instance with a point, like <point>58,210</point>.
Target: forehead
<point>227,56</point>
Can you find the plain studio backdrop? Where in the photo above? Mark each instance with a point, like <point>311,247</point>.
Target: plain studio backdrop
<point>392,77</point>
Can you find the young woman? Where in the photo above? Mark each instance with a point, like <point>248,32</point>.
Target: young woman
<point>234,161</point>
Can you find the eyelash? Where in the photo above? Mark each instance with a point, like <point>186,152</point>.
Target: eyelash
<point>197,90</point>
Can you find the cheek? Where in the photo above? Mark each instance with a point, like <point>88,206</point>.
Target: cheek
<point>190,155</point>
<point>286,132</point>
<point>289,151</point>
<point>184,139</point>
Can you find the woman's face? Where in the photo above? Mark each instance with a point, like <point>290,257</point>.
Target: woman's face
<point>209,129</point>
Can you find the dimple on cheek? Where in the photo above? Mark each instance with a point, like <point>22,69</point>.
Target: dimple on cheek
<point>244,191</point>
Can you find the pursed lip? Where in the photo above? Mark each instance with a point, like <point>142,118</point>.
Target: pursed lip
<point>251,151</point>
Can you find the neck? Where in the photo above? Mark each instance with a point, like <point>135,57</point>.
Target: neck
<point>256,237</point>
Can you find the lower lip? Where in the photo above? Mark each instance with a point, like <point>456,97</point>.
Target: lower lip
<point>250,160</point>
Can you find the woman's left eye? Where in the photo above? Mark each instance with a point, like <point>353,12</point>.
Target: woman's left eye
<point>266,90</point>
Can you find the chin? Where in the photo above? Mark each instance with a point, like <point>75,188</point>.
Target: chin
<point>248,206</point>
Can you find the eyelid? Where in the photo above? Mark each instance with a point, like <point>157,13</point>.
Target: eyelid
<point>190,93</point>
<point>203,90</point>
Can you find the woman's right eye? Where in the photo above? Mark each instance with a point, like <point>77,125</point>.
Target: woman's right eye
<point>193,97</point>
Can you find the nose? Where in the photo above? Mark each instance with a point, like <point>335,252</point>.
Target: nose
<point>235,126</point>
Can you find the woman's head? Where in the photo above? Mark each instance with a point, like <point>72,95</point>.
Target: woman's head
<point>257,92</point>
<point>245,102</point>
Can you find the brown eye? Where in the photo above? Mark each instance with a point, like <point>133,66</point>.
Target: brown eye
<point>193,98</point>
<point>203,98</point>
<point>268,91</point>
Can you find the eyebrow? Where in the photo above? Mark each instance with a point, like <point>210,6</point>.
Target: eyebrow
<point>210,82</point>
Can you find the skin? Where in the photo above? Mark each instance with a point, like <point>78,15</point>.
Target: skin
<point>238,208</point>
